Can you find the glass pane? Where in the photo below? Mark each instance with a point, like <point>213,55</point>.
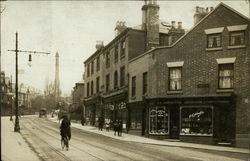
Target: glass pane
<point>196,121</point>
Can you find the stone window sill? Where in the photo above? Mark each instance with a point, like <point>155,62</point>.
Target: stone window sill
<point>224,90</point>
<point>213,49</point>
<point>236,47</point>
<point>174,92</point>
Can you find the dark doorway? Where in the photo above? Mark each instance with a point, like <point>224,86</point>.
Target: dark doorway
<point>174,122</point>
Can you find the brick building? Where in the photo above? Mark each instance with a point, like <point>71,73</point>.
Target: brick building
<point>197,89</point>
<point>106,71</point>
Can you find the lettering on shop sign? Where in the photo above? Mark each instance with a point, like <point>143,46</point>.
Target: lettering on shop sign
<point>197,114</point>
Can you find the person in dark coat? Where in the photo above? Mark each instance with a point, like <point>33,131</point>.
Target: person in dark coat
<point>65,130</point>
<point>115,126</point>
<point>119,128</point>
<point>100,123</point>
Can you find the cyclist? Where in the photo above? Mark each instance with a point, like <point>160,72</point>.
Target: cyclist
<point>65,132</point>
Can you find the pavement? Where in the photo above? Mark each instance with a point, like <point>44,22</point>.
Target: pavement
<point>14,147</point>
<point>144,140</point>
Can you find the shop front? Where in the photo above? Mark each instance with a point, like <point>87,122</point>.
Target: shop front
<point>93,109</point>
<point>206,120</point>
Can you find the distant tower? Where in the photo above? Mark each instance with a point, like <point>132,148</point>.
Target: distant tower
<point>57,81</point>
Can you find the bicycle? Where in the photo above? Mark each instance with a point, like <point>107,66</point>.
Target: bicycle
<point>65,142</point>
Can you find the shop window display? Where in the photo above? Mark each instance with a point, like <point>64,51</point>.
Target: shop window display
<point>196,121</point>
<point>158,120</point>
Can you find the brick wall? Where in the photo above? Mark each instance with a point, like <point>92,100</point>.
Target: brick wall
<point>200,66</point>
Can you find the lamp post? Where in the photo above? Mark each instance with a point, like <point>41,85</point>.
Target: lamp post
<point>17,126</point>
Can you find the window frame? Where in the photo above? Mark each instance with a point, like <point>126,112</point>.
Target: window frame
<point>123,49</point>
<point>122,76</point>
<point>97,84</point>
<point>107,83</point>
<point>144,83</point>
<point>232,79</point>
<point>169,79</point>
<point>92,88</point>
<point>116,54</point>
<point>92,67</point>
<point>115,79</point>
<point>133,86</point>
<point>98,63</point>
<point>233,32</point>
<point>214,34</point>
<point>108,59</point>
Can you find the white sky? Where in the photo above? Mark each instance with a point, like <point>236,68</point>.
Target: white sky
<point>72,28</point>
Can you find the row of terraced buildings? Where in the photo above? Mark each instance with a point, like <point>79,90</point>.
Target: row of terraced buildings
<point>165,82</point>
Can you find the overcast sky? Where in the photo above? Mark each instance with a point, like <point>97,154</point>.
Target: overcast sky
<point>72,28</point>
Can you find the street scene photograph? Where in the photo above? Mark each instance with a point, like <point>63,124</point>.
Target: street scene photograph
<point>142,80</point>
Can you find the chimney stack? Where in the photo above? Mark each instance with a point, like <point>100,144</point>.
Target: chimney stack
<point>173,24</point>
<point>179,25</point>
<point>200,13</point>
<point>120,26</point>
<point>99,44</point>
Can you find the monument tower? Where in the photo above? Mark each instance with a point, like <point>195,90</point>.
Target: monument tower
<point>57,81</point>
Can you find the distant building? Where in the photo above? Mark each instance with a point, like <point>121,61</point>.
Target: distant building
<point>197,89</point>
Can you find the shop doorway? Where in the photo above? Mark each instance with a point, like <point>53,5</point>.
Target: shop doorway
<point>174,122</point>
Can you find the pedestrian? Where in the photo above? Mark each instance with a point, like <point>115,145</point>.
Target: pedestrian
<point>115,126</point>
<point>65,130</point>
<point>82,121</point>
<point>100,123</point>
<point>119,128</point>
<point>107,124</point>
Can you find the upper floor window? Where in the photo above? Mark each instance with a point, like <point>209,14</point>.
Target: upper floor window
<point>122,76</point>
<point>236,38</point>
<point>214,40</point>
<point>88,70</point>
<point>226,76</point>
<point>116,54</point>
<point>123,47</point>
<point>87,89</point>
<point>92,88</point>
<point>97,84</point>
<point>107,59</point>
<point>92,67</point>
<point>144,83</point>
<point>175,78</point>
<point>133,86</point>
<point>115,80</point>
<point>107,82</point>
<point>98,63</point>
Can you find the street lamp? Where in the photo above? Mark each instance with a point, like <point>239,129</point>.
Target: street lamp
<point>17,126</point>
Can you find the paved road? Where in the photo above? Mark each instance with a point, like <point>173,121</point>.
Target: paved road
<point>44,138</point>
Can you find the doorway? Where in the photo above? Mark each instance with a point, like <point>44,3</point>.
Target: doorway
<point>174,122</point>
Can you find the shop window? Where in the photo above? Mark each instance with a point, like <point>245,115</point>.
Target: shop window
<point>136,119</point>
<point>133,86</point>
<point>214,40</point>
<point>158,120</point>
<point>237,38</point>
<point>175,78</point>
<point>226,76</point>
<point>196,121</point>
<point>97,84</point>
<point>144,83</point>
<point>122,76</point>
<point>115,80</point>
<point>98,63</point>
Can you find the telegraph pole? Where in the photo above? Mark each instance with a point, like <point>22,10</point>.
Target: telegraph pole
<point>17,126</point>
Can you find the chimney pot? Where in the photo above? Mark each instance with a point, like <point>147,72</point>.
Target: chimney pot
<point>207,10</point>
<point>197,9</point>
<point>173,24</point>
<point>211,9</point>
